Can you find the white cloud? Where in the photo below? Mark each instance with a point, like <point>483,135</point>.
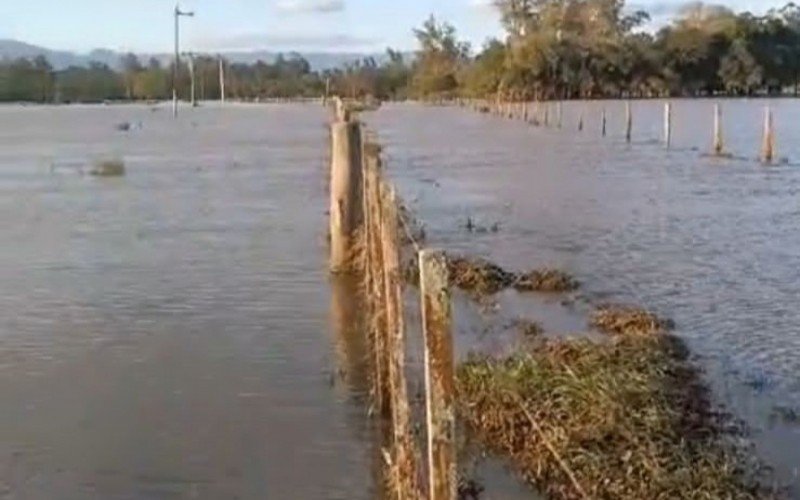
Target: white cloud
<point>310,6</point>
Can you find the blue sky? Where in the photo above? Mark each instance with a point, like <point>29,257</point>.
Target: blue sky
<point>308,25</point>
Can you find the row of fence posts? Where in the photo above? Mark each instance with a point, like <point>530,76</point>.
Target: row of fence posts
<point>367,238</point>
<point>540,115</point>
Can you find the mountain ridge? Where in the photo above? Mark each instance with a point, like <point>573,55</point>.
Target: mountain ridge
<point>61,59</point>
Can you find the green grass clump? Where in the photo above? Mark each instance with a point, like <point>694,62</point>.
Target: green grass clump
<point>624,419</point>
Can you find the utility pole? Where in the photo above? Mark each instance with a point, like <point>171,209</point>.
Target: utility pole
<point>221,80</point>
<point>178,14</point>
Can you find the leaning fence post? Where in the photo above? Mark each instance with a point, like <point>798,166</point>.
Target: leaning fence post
<point>439,374</point>
<point>346,198</point>
<point>768,139</point>
<point>667,124</point>
<point>718,144</point>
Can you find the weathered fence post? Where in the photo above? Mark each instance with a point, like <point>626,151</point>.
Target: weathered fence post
<point>667,124</point>
<point>346,185</point>
<point>628,121</point>
<point>376,282</point>
<point>580,122</point>
<point>718,144</point>
<point>439,374</point>
<point>768,139</point>
<point>404,466</point>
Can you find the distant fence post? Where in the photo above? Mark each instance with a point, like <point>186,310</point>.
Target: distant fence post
<point>628,121</point>
<point>439,374</point>
<point>718,143</point>
<point>580,122</point>
<point>768,139</point>
<point>667,124</point>
<point>346,206</point>
<point>560,114</point>
<point>603,122</point>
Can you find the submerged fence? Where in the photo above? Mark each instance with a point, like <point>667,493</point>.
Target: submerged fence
<point>369,237</point>
<point>550,113</point>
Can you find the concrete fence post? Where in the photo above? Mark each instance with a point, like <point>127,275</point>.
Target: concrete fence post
<point>439,374</point>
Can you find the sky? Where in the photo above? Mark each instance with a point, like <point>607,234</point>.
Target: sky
<point>226,25</point>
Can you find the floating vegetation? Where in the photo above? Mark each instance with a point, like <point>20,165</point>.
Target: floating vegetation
<point>478,276</point>
<point>624,419</point>
<point>108,168</point>
<point>627,320</point>
<point>481,277</point>
<point>546,280</point>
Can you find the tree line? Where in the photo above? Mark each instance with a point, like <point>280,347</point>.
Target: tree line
<point>34,80</point>
<point>552,49</point>
<point>562,49</point>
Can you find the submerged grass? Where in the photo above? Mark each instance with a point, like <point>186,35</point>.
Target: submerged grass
<point>624,419</point>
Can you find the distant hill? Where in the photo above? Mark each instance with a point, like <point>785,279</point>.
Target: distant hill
<point>320,61</point>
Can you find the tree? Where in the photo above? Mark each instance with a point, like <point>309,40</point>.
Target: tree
<point>438,60</point>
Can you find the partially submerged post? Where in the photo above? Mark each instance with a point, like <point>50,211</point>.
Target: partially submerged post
<point>346,185</point>
<point>439,374</point>
<point>559,114</point>
<point>768,139</point>
<point>667,124</point>
<point>603,121</point>
<point>628,121</point>
<point>718,144</point>
<point>580,122</point>
<point>221,80</point>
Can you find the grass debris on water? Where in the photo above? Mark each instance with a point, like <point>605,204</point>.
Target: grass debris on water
<point>481,277</point>
<point>627,418</point>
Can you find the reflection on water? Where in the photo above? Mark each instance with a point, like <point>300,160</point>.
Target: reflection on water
<point>168,334</point>
<point>708,242</point>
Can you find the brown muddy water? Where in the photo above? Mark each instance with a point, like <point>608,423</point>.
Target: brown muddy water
<point>171,334</point>
<point>710,243</point>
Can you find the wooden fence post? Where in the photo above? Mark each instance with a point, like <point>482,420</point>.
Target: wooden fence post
<point>628,121</point>
<point>377,283</point>
<point>346,206</point>
<point>405,483</point>
<point>718,144</point>
<point>768,139</point>
<point>559,114</point>
<point>667,124</point>
<point>439,374</point>
<point>603,122</point>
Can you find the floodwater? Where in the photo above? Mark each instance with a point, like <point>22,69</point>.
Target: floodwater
<point>171,334</point>
<point>710,243</point>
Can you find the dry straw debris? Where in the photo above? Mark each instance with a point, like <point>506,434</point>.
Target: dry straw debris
<point>481,277</point>
<point>624,419</point>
